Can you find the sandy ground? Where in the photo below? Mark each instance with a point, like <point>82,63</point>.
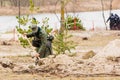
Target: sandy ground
<point>96,41</point>
<point>19,55</point>
<point>12,45</point>
<point>13,51</point>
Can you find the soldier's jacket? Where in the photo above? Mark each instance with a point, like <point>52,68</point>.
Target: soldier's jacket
<point>111,18</point>
<point>41,43</point>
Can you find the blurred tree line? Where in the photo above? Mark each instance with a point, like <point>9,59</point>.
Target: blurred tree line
<point>25,3</point>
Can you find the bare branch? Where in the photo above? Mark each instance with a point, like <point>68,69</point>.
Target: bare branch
<point>103,13</point>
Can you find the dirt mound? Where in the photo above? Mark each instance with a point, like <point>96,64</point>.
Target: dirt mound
<point>6,63</point>
<point>64,65</point>
<point>112,49</point>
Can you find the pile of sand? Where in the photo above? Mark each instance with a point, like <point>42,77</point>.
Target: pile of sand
<point>112,49</point>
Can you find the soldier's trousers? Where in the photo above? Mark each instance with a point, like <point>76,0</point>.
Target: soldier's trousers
<point>47,51</point>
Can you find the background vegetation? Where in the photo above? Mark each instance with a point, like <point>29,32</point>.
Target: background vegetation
<point>11,6</point>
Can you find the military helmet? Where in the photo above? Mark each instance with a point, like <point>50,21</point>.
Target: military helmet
<point>111,14</point>
<point>34,27</point>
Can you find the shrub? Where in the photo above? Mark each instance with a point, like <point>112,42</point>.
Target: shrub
<point>72,22</point>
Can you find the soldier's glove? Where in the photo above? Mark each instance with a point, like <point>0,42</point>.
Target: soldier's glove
<point>28,36</point>
<point>50,38</point>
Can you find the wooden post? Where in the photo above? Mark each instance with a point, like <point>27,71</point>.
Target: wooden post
<point>93,28</point>
<point>14,35</point>
<point>75,27</point>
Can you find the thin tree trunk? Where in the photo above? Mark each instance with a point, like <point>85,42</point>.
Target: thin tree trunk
<point>111,5</point>
<point>62,16</point>
<point>103,14</point>
<point>19,12</point>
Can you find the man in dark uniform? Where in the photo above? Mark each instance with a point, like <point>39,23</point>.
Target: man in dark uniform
<point>116,18</point>
<point>117,22</point>
<point>112,21</point>
<point>40,41</point>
